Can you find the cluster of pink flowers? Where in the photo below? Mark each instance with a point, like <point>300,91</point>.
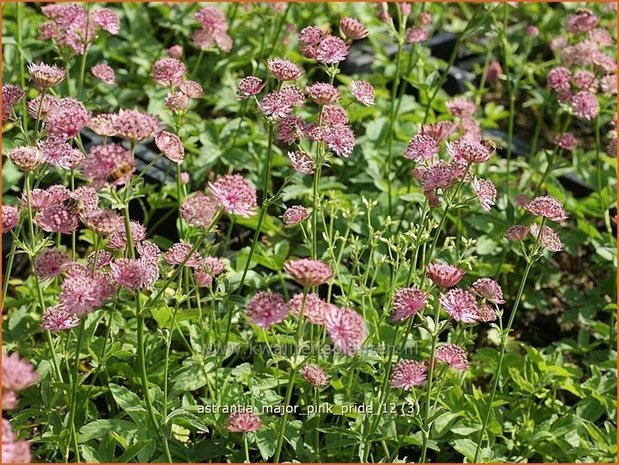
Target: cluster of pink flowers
<point>170,73</point>
<point>214,30</point>
<point>17,375</point>
<point>14,450</point>
<point>70,26</point>
<point>243,422</point>
<point>11,96</point>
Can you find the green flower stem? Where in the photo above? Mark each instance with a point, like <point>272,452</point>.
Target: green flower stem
<point>392,118</point>
<point>9,266</point>
<point>74,384</point>
<point>80,81</point>
<point>19,6</point>
<point>246,446</point>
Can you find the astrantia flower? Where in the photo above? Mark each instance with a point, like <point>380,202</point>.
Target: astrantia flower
<point>608,84</point>
<point>308,272</point>
<point>58,319</point>
<point>340,139</point>
<point>438,176</point>
<point>103,124</point>
<point>585,105</point>
<point>191,88</point>
<point>57,219</point>
<point>407,302</point>
<point>243,422</point>
<point>266,309</point>
<point>486,313</point>
<point>461,107</point>
<point>486,192</point>
<point>309,38</point>
<point>532,31</point>
<point>178,254</point>
<point>284,70</point>
<point>585,80</point>
<point>236,194</point>
<point>567,141</point>
<point>129,273</point>
<point>295,215</point>
<point>67,119</point>
<point>346,329</point>
<point>301,162</point>
<point>199,210</point>
<point>559,78</point>
<point>415,35</point>
<point>333,115</point>
<point>26,158</point>
<point>489,289</point>
<point>548,207</point>
<point>135,125</point>
<point>58,153</point>
<point>352,29</point>
<point>495,71</point>
<point>102,222</point>
<point>212,18</point>
<point>315,309</point>
<point>516,232</point>
<point>549,239</point>
<point>10,217</point>
<point>40,106</point>
<point>176,101</point>
<point>17,374</point>
<point>109,164</point>
<point>249,86</point>
<point>291,95</point>
<point>421,147</point>
<point>274,106</point>
<point>107,20</point>
<point>291,129</point>
<point>50,263</point>
<point>452,355</point>
<point>168,72</point>
<point>13,450</point>
<point>469,150</point>
<point>331,50</point>
<point>11,95</point>
<point>104,73</point>
<point>46,76</point>
<point>444,275</point>
<point>171,146</point>
<point>82,292</point>
<point>323,93</point>
<point>407,374</point>
<point>460,305</point>
<point>175,51</point>
<point>118,239</point>
<point>314,375</point>
<point>583,21</point>
<point>41,198</point>
<point>363,92</point>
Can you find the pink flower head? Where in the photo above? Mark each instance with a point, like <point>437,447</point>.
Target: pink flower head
<point>46,76</point>
<point>275,106</point>
<point>486,313</point>
<point>118,239</point>
<point>58,319</point>
<point>314,375</point>
<point>516,233</point>
<point>331,50</point>
<point>340,139</point>
<point>438,176</point>
<point>548,207</point>
<point>102,222</point>
<point>103,125</point>
<point>407,302</point>
<point>608,84</point>
<point>425,18</point>
<point>26,158</point>
<point>17,373</point>
<point>82,291</point>
<point>109,164</point>
<point>235,194</point>
<point>284,70</point>
<point>495,71</point>
<point>176,101</point>
<point>295,215</point>
<point>191,89</point>
<point>407,374</point>
<point>309,38</point>
<point>488,289</point>
<point>10,217</point>
<point>68,117</point>
<point>363,92</point>
<point>212,18</point>
<point>567,141</point>
<point>315,309</point>
<point>57,219</point>
<point>266,309</point>
<point>585,80</point>
<point>415,35</point>
<point>11,95</point>
<point>452,355</point>
<point>243,422</point>
<point>559,78</point>
<point>346,329</point>
<point>175,51</point>
<point>292,96</point>
<point>169,72</point>
<point>323,93</point>
<point>532,31</point>
<point>129,273</point>
<point>308,272</point>
<point>107,20</point>
<point>421,147</point>
<point>58,153</point>
<point>291,129</point>
<point>13,450</point>
<point>40,106</point>
<point>104,73</point>
<point>470,151</point>
<point>41,198</point>
<point>585,105</point>
<point>461,107</point>
<point>135,125</point>
<point>444,275</point>
<point>301,162</point>
<point>50,263</point>
<point>199,210</point>
<point>549,239</point>
<point>171,146</point>
<point>352,29</point>
<point>333,115</point>
<point>382,12</point>
<point>178,254</point>
<point>486,193</point>
<point>460,305</point>
<point>583,21</point>
<point>249,86</point>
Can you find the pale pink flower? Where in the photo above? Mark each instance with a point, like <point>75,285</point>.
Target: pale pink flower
<point>532,31</point>
<point>58,319</point>
<point>585,80</point>
<point>331,50</point>
<point>103,125</point>
<point>407,374</point>
<point>363,92</point>
<point>309,38</point>
<point>102,222</point>
<point>495,71</point>
<point>284,70</point>
<point>104,73</point>
<point>608,84</point>
<point>129,273</point>
<point>41,198</point>
<point>82,291</point>
<point>559,78</point>
<point>175,51</point>
<point>58,153</point>
<point>50,263</point>
<point>548,207</point>
<point>461,107</point>
<point>212,18</point>
<point>301,162</point>
<point>415,35</point>
<point>179,254</point>
<point>176,101</point>
<point>109,164</point>
<point>460,305</point>
<point>191,89</point>
<point>107,20</point>
<point>346,329</point>
<point>583,21</point>
<point>567,141</point>
<point>315,309</point>
<point>67,118</point>
<point>314,375</point>
<point>585,105</point>
<point>488,289</point>
<point>26,158</point>
<point>444,275</point>
<point>323,93</point>
<point>352,29</point>
<point>46,76</point>
<point>452,355</point>
<point>333,115</point>
<point>243,422</point>
<point>11,95</point>
<point>421,147</point>
<point>291,129</point>
<point>516,232</point>
<point>199,210</point>
<point>57,219</point>
<point>266,308</point>
<point>486,313</point>
<point>549,239</point>
<point>13,450</point>
<point>274,106</point>
<point>486,192</point>
<point>38,110</point>
<point>135,125</point>
<point>169,72</point>
<point>291,95</point>
<point>118,239</point>
<point>407,302</point>
<point>470,151</point>
<point>17,373</point>
<point>295,215</point>
<point>308,272</point>
<point>235,194</point>
<point>10,217</point>
<point>171,146</point>
<point>249,86</point>
<point>340,139</point>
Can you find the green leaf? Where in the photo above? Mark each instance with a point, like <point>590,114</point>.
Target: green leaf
<point>102,428</point>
